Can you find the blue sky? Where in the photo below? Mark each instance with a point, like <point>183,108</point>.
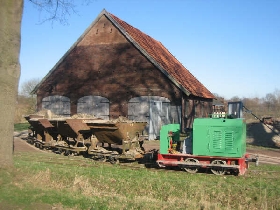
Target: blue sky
<point>232,47</point>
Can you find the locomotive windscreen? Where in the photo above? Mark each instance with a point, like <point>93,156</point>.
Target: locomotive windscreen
<point>235,109</point>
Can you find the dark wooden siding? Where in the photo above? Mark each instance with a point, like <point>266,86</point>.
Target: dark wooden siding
<point>111,68</point>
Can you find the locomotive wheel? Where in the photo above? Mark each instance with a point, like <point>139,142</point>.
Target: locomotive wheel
<point>218,170</point>
<point>191,169</point>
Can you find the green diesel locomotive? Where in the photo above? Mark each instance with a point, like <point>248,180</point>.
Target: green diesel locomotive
<point>217,143</point>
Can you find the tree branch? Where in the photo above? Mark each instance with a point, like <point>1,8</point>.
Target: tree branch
<point>57,10</point>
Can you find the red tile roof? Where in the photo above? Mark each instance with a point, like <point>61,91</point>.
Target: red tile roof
<point>164,59</point>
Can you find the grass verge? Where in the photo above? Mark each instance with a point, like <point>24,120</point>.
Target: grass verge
<point>49,181</point>
<point>21,126</point>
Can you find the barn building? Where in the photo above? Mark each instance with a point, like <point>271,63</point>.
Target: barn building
<point>116,70</point>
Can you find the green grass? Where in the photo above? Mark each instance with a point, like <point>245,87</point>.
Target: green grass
<point>47,180</point>
<point>21,126</point>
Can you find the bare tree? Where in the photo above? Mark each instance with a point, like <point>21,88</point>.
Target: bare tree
<point>27,87</point>
<point>270,102</point>
<point>235,98</point>
<point>55,10</point>
<point>26,101</point>
<point>10,37</point>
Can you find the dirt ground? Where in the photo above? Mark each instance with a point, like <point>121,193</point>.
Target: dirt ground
<point>21,145</point>
<point>261,139</point>
<point>263,136</point>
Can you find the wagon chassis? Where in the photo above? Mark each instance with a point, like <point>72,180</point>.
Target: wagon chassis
<point>217,165</point>
<point>77,136</point>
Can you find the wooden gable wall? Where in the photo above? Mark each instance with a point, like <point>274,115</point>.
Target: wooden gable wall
<point>104,63</point>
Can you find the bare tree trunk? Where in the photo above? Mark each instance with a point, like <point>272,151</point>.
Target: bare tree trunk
<point>10,26</point>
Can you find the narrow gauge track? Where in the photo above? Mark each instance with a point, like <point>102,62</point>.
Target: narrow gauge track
<point>268,159</point>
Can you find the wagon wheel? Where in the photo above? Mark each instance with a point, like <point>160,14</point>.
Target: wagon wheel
<point>102,158</point>
<point>60,151</point>
<point>191,169</point>
<point>218,170</point>
<point>67,152</point>
<point>113,160</point>
<point>31,141</point>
